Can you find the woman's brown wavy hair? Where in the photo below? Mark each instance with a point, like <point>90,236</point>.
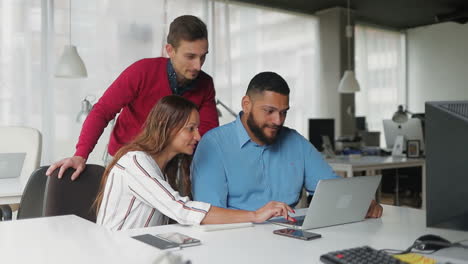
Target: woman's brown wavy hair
<point>166,118</point>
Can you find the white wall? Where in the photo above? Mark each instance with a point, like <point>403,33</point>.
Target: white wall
<point>437,64</point>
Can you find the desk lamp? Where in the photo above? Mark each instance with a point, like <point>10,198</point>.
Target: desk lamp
<point>401,115</point>
<point>86,107</point>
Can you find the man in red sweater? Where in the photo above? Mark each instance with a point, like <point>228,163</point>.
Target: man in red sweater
<point>142,84</point>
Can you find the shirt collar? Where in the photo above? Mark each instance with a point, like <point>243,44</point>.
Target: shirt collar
<point>241,132</point>
<point>172,77</point>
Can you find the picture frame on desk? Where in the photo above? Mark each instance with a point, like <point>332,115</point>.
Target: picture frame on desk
<point>413,149</point>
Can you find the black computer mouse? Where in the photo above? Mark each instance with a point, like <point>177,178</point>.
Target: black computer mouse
<point>431,242</point>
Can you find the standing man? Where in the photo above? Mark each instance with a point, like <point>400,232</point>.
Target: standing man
<point>255,159</point>
<point>142,84</point>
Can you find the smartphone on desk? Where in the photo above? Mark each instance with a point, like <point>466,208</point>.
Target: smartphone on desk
<point>157,242</point>
<point>296,233</point>
<point>180,239</point>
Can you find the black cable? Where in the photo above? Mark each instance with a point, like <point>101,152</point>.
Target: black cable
<point>417,246</point>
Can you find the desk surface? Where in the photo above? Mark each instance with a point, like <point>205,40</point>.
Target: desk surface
<point>381,161</point>
<point>397,229</point>
<point>69,239</point>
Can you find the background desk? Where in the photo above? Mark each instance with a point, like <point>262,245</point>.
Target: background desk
<point>397,229</point>
<point>68,239</point>
<point>372,165</point>
<point>10,191</point>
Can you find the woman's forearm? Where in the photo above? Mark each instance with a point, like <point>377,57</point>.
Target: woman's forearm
<point>218,215</point>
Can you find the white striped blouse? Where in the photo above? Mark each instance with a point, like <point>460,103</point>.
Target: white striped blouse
<point>137,195</point>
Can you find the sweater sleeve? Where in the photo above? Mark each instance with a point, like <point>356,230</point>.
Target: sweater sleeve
<point>148,185</point>
<point>208,113</point>
<point>121,92</point>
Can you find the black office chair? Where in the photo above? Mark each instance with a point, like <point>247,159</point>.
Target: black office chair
<point>32,200</point>
<point>64,196</point>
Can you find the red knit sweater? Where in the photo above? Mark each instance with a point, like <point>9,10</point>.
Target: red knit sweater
<point>135,92</point>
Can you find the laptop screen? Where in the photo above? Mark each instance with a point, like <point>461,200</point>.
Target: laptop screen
<point>11,164</point>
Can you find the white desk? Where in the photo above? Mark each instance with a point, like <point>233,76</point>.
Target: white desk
<point>10,191</point>
<point>372,165</point>
<point>68,239</point>
<point>397,229</point>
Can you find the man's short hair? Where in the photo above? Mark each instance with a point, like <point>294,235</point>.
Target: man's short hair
<point>267,81</point>
<point>188,28</point>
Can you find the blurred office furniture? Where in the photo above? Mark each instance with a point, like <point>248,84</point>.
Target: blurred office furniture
<point>32,200</point>
<point>373,165</point>
<point>321,127</point>
<point>361,124</point>
<point>447,164</point>
<point>18,140</point>
<point>64,196</point>
<point>370,138</point>
<point>410,130</point>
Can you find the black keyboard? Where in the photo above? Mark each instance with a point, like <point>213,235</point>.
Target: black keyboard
<point>359,255</point>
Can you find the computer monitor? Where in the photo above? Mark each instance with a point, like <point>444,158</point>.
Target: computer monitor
<point>410,130</point>
<point>361,123</point>
<point>321,127</point>
<point>446,165</point>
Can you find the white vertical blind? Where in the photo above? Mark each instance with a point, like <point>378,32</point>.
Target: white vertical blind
<point>110,35</point>
<point>380,70</point>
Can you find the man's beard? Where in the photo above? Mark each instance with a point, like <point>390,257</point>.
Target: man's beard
<point>258,132</point>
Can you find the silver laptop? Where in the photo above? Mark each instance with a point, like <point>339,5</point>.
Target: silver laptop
<point>337,201</point>
<point>11,164</point>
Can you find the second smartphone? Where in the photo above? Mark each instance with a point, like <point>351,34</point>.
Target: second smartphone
<point>295,233</point>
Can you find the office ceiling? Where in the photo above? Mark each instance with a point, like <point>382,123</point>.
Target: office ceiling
<point>398,14</point>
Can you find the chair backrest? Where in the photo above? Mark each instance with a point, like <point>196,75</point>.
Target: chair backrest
<point>22,140</point>
<point>32,200</point>
<point>63,196</point>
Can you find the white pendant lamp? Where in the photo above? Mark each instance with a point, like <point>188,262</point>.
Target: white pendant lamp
<point>348,83</point>
<point>70,64</point>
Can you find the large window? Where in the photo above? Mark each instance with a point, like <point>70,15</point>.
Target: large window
<point>380,70</point>
<point>20,63</point>
<point>110,35</point>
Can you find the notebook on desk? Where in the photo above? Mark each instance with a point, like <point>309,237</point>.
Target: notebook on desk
<point>337,201</point>
<point>11,164</point>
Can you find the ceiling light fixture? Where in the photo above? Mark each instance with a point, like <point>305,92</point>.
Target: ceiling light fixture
<point>70,63</point>
<point>348,83</point>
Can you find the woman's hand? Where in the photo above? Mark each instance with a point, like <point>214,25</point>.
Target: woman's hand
<point>273,209</point>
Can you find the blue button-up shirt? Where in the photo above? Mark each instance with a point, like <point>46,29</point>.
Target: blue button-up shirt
<point>230,170</point>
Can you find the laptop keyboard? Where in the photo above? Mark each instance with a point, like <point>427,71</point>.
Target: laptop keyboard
<point>359,255</point>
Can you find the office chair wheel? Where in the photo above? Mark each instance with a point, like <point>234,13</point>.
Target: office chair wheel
<point>5,213</point>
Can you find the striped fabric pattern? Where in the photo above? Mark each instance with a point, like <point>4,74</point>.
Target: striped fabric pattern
<point>136,195</point>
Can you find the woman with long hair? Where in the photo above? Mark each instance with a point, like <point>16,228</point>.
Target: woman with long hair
<point>140,186</point>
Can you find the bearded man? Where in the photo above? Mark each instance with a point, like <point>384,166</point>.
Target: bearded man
<point>255,159</point>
